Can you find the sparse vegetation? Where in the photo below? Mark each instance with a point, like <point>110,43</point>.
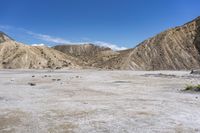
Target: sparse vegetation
<point>192,88</point>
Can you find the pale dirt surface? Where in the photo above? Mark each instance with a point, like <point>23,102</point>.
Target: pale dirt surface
<point>84,101</point>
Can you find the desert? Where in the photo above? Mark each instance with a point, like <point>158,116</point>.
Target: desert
<point>98,101</point>
<point>99,66</point>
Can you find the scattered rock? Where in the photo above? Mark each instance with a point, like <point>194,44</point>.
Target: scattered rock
<point>122,82</point>
<point>33,76</point>
<point>1,98</point>
<point>161,75</point>
<point>58,67</point>
<point>195,71</point>
<point>32,84</point>
<point>56,79</point>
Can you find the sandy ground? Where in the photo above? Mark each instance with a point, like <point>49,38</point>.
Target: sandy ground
<point>84,101</point>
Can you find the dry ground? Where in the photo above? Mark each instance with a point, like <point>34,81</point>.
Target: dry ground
<point>95,101</point>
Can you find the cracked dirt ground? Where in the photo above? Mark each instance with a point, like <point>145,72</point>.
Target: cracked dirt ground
<point>95,101</point>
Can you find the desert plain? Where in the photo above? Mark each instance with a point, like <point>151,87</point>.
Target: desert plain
<point>95,101</point>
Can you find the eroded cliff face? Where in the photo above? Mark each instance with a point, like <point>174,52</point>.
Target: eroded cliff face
<point>197,38</point>
<point>174,49</point>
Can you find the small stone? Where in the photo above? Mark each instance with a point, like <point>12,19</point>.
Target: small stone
<point>32,84</point>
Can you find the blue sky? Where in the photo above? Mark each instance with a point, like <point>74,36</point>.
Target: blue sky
<point>123,23</point>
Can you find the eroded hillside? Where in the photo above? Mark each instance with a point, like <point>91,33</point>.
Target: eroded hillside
<point>17,55</point>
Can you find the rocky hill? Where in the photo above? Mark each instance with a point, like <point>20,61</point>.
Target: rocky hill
<point>174,49</point>
<point>92,54</point>
<point>17,55</point>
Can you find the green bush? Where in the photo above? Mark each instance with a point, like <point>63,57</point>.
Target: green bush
<point>192,88</point>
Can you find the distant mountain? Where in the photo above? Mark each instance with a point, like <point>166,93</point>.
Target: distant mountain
<point>174,49</point>
<point>92,54</point>
<point>17,55</point>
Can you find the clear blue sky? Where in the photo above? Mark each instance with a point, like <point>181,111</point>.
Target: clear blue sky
<point>121,22</point>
